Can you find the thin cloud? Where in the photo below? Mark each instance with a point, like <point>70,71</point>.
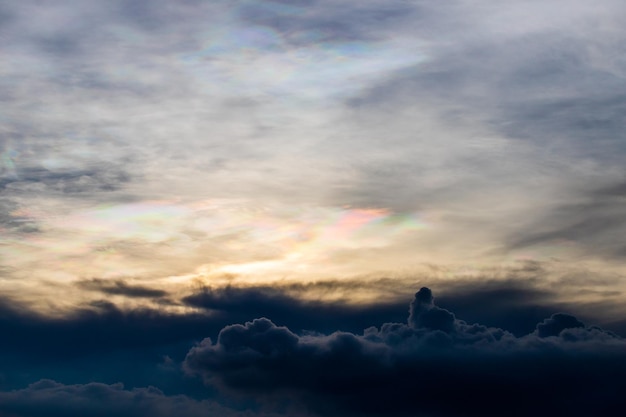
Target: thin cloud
<point>120,287</point>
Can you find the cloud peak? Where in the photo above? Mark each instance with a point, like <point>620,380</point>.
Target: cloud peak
<point>437,361</point>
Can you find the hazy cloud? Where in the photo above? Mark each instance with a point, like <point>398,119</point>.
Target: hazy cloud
<point>595,223</point>
<point>120,287</point>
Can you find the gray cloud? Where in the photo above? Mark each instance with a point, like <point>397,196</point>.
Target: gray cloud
<point>120,287</point>
<point>328,21</point>
<point>595,222</point>
<point>95,180</point>
<point>14,221</point>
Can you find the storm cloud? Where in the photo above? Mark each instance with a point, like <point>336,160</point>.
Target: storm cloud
<point>435,365</point>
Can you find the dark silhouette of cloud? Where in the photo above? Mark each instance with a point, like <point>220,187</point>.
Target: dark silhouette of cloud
<point>242,304</point>
<point>423,313</point>
<point>435,365</point>
<point>556,324</point>
<point>516,306</point>
<point>103,327</point>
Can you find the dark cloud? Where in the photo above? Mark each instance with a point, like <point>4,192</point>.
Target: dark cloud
<point>436,365</point>
<point>516,303</point>
<point>47,398</point>
<point>242,304</point>
<point>557,323</point>
<point>120,287</point>
<point>423,313</point>
<point>103,327</point>
<point>112,344</point>
<point>100,342</point>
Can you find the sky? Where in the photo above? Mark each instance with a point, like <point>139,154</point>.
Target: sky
<point>312,208</point>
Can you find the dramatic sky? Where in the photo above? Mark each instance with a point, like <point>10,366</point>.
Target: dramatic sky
<point>230,208</point>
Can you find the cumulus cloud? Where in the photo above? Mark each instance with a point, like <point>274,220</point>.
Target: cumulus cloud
<point>434,365</point>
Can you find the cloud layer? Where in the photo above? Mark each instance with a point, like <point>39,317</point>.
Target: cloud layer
<point>433,364</point>
<point>173,135</point>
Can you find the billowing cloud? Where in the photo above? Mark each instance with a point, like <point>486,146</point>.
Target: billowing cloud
<point>435,365</point>
<point>302,366</point>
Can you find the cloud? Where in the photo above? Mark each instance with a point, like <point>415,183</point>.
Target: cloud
<point>100,342</point>
<point>557,324</point>
<point>436,365</point>
<point>536,105</point>
<point>297,360</point>
<point>101,327</point>
<point>15,220</point>
<point>293,310</point>
<point>594,223</point>
<point>95,180</point>
<point>120,287</point>
<point>439,111</point>
<point>516,304</point>
<point>48,398</point>
<point>310,22</point>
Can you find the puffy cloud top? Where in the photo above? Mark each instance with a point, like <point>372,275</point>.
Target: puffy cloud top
<point>437,365</point>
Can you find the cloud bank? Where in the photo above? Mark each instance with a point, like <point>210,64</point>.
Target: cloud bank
<point>47,398</point>
<point>434,365</point>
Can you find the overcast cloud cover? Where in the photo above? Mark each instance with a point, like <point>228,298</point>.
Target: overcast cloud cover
<point>169,169</point>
